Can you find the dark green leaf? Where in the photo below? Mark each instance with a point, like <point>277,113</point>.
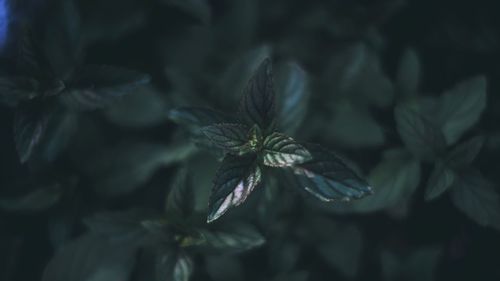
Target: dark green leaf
<point>60,129</point>
<point>98,86</point>
<point>461,107</point>
<point>196,117</point>
<point>91,257</point>
<point>394,180</point>
<point>230,137</point>
<point>225,268</point>
<point>234,181</point>
<point>441,180</point>
<point>118,225</point>
<point>123,168</point>
<point>464,153</point>
<point>292,86</point>
<point>232,238</point>
<point>477,198</point>
<point>420,136</point>
<point>328,178</point>
<point>173,265</point>
<point>34,201</point>
<point>14,89</point>
<point>180,200</point>
<point>30,123</point>
<point>408,75</point>
<point>31,60</point>
<point>283,151</point>
<point>257,105</point>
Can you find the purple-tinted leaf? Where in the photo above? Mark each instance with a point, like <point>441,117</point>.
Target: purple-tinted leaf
<point>283,151</point>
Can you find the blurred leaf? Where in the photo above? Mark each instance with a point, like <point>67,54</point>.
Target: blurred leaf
<point>283,254</point>
<point>328,178</point>
<point>283,151</point>
<point>464,153</point>
<point>257,105</point>
<point>145,107</point>
<point>441,179</point>
<point>354,127</point>
<point>461,107</point>
<point>356,74</point>
<point>118,225</point>
<point>180,200</point>
<point>477,198</point>
<point>91,258</point>
<point>343,250</point>
<point>293,93</point>
<point>14,89</point>
<point>224,268</point>
<point>98,86</point>
<point>173,265</point>
<point>421,137</point>
<point>198,9</point>
<point>196,117</point>
<point>35,201</point>
<point>123,168</point>
<point>61,126</point>
<point>232,238</point>
<point>419,265</point>
<point>31,60</point>
<point>234,181</point>
<point>409,72</point>
<point>394,180</point>
<point>230,137</point>
<point>238,26</point>
<point>30,123</point>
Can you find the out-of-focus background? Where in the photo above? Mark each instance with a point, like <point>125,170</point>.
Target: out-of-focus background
<point>84,173</point>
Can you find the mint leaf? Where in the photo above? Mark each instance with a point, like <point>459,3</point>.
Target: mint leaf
<point>463,154</point>
<point>283,151</point>
<point>234,181</point>
<point>14,89</point>
<point>441,179</point>
<point>421,137</point>
<point>328,178</point>
<point>180,199</point>
<point>293,93</point>
<point>231,238</point>
<point>257,104</point>
<point>477,198</point>
<point>97,86</point>
<point>196,117</point>
<point>173,265</point>
<point>461,107</point>
<point>230,137</point>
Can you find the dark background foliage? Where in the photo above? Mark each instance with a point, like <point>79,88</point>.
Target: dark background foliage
<point>400,88</point>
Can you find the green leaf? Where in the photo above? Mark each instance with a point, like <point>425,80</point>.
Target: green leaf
<point>293,93</point>
<point>257,105</point>
<point>234,181</point>
<point>173,265</point>
<point>61,126</point>
<point>35,201</point>
<point>394,180</point>
<point>328,178</point>
<point>91,257</point>
<point>118,225</point>
<point>421,137</point>
<point>408,74</point>
<point>461,107</point>
<point>231,238</point>
<point>196,117</point>
<point>30,124</point>
<point>14,89</point>
<point>98,86</point>
<point>477,198</point>
<point>127,166</point>
<point>230,137</point>
<point>283,151</point>
<point>441,179</point>
<point>464,153</point>
<point>225,268</point>
<point>180,199</point>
